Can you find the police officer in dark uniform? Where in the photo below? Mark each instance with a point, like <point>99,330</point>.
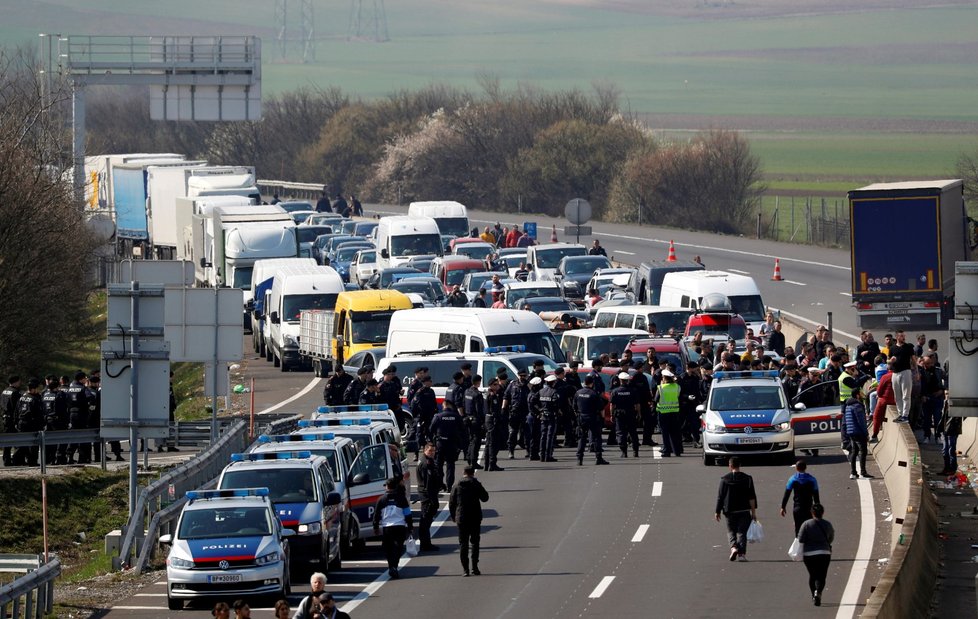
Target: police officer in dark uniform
<point>572,376</point>
<point>336,386</point>
<point>351,395</point>
<point>95,414</point>
<point>475,420</point>
<point>79,406</point>
<point>466,375</point>
<point>565,404</point>
<point>514,404</point>
<point>390,394</point>
<point>534,411</point>
<point>588,405</point>
<point>456,392</point>
<point>496,424</point>
<point>424,407</point>
<point>370,393</point>
<point>625,409</point>
<point>446,429</point>
<point>55,403</point>
<point>643,396</point>
<point>419,374</point>
<point>30,418</point>
<point>8,408</point>
<point>690,396</point>
<point>790,380</point>
<point>429,483</point>
<point>549,418</point>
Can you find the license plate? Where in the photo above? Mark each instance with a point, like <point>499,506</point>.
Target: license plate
<point>750,441</point>
<point>224,578</point>
<point>896,305</point>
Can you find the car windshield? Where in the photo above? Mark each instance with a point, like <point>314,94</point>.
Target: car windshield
<point>336,240</point>
<point>308,234</point>
<point>285,484</point>
<point>600,344</point>
<point>540,343</point>
<point>300,216</point>
<point>514,261</point>
<point>746,398</point>
<point>242,278</point>
<point>473,250</point>
<point>750,308</point>
<point>364,228</point>
<point>418,287</point>
<point>456,226</point>
<point>416,245</point>
<point>224,522</point>
<point>515,294</point>
<point>735,331</point>
<point>293,304</point>
<point>672,358</point>
<point>550,258</point>
<point>476,281</point>
<point>345,254</point>
<point>669,320</point>
<point>455,276</point>
<point>586,265</point>
<point>370,327</point>
<point>547,305</point>
<point>291,207</point>
<point>525,362</point>
<point>368,257</point>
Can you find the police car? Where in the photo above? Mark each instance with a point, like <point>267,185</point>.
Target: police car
<point>227,543</point>
<point>374,412</point>
<point>747,413</point>
<point>300,486</point>
<point>339,452</point>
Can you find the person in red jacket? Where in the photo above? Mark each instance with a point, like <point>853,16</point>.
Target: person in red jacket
<point>884,398</point>
<point>513,236</point>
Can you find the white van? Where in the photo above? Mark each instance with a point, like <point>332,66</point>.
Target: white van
<point>586,345</point>
<point>464,329</point>
<point>399,238</point>
<point>642,316</point>
<point>687,289</point>
<point>295,289</point>
<point>545,258</point>
<point>261,282</point>
<point>451,217</point>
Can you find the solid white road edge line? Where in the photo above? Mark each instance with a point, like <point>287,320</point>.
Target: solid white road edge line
<point>867,537</point>
<point>657,488</point>
<point>739,271</point>
<point>846,294</point>
<point>602,587</point>
<point>626,253</point>
<point>304,391</point>
<point>639,535</point>
<point>791,281</point>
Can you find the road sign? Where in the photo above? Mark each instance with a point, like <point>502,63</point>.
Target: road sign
<point>531,229</point>
<point>578,211</point>
<point>577,231</point>
<point>197,331</point>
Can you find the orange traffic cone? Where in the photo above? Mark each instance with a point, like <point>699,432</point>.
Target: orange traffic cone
<point>553,234</point>
<point>672,252</point>
<point>777,271</point>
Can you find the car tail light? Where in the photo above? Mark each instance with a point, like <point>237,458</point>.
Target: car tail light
<point>864,306</point>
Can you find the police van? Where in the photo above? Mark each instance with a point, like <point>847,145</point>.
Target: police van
<point>227,543</point>
<point>747,413</point>
<point>301,487</point>
<point>374,412</point>
<point>339,453</point>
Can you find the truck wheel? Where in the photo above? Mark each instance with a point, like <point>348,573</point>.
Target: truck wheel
<point>276,362</point>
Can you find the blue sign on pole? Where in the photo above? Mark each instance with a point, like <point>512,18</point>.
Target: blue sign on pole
<point>531,229</point>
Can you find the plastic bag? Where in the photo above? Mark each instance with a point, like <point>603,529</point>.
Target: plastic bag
<point>412,546</point>
<point>796,551</point>
<point>755,533</point>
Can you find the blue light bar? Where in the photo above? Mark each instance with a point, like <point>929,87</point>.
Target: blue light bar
<point>514,348</point>
<point>275,455</point>
<point>745,374</point>
<point>197,495</point>
<point>354,408</point>
<point>288,438</point>
<point>318,423</point>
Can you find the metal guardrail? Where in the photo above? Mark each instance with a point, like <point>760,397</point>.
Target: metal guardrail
<point>31,596</point>
<point>305,191</point>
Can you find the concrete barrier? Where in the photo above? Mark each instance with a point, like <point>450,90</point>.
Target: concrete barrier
<point>968,441</point>
<point>906,587</point>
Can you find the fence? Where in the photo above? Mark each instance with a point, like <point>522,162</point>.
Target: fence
<point>31,596</point>
<point>808,220</point>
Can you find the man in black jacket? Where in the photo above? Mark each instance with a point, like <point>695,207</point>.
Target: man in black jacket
<point>351,395</point>
<point>392,513</point>
<point>8,408</point>
<point>475,420</point>
<point>30,418</point>
<point>390,394</point>
<point>447,432</point>
<point>55,403</point>
<point>424,407</point>
<point>429,483</point>
<point>336,386</point>
<point>737,501</point>
<point>465,508</point>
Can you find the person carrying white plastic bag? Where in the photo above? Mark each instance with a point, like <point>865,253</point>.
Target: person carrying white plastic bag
<point>796,550</point>
<point>737,501</point>
<point>412,546</point>
<point>755,532</point>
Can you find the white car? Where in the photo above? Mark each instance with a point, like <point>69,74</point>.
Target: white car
<point>227,543</point>
<point>364,265</point>
<point>605,279</point>
<point>517,291</point>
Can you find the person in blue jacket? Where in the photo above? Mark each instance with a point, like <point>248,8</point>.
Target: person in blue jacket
<point>854,422</point>
<point>805,488</point>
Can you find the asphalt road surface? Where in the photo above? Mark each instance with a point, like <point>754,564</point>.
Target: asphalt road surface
<point>634,539</point>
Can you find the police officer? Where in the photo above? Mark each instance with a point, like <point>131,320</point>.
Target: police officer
<point>456,392</point>
<point>370,393</point>
<point>429,483</point>
<point>496,424</point>
<point>643,396</point>
<point>424,407</point>
<point>475,420</point>
<point>80,400</point>
<point>389,393</point>
<point>8,408</point>
<point>351,395</point>
<point>419,374</point>
<point>30,418</point>
<point>514,404</point>
<point>95,414</point>
<point>446,430</point>
<point>667,404</point>
<point>588,405</point>
<point>566,419</point>
<point>55,404</point>
<point>572,376</point>
<point>549,418</point>
<point>624,409</point>
<point>466,375</point>
<point>336,386</point>
<point>534,410</point>
<point>690,396</point>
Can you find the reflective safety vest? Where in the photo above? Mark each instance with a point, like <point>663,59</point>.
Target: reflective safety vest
<point>668,398</point>
<point>844,392</point>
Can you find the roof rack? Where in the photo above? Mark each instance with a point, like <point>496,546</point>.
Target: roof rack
<point>200,495</point>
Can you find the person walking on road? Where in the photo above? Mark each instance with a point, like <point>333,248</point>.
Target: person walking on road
<point>737,501</point>
<point>815,536</point>
<point>952,429</point>
<point>429,483</point>
<point>392,514</point>
<point>465,508</point>
<point>317,584</point>
<point>854,424</point>
<point>588,405</point>
<point>625,409</point>
<point>805,488</point>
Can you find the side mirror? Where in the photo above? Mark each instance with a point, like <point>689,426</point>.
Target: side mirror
<point>701,409</point>
<point>799,406</point>
<point>384,253</point>
<point>166,539</point>
<point>250,306</point>
<point>287,533</point>
<point>360,479</point>
<point>273,317</point>
<point>333,498</point>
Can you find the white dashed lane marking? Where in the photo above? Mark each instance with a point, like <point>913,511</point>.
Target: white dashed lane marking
<point>625,253</point>
<point>640,534</point>
<point>790,281</point>
<point>739,271</point>
<point>602,587</point>
<point>657,488</point>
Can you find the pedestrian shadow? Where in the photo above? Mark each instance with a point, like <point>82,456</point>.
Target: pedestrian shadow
<point>517,489</point>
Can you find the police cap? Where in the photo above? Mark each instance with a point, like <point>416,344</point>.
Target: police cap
<point>625,376</point>
<point>365,370</point>
<point>536,380</point>
<point>550,378</point>
<point>390,369</point>
<point>33,383</point>
<point>458,376</point>
<point>521,372</point>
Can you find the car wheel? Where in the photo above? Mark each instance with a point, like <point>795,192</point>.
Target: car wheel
<point>707,459</point>
<point>814,453</point>
<point>282,365</point>
<point>276,362</point>
<point>267,351</point>
<point>337,562</point>
<point>173,604</point>
<point>345,545</point>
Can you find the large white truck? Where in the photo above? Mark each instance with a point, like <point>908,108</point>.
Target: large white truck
<point>262,275</point>
<point>227,240</point>
<point>451,217</point>
<point>295,289</point>
<point>400,237</point>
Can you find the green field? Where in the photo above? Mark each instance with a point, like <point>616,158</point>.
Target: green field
<point>829,98</point>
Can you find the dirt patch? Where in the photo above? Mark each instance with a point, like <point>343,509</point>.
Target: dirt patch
<point>87,598</point>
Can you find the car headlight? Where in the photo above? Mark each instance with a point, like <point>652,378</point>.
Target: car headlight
<point>271,557</point>
<point>716,429</point>
<point>291,341</point>
<point>313,528</point>
<point>781,427</point>
<point>177,562</point>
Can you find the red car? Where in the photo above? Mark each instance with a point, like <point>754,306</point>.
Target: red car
<point>452,269</point>
<point>666,348</point>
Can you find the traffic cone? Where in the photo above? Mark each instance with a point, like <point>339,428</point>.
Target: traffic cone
<point>777,271</point>
<point>672,252</point>
<point>553,234</point>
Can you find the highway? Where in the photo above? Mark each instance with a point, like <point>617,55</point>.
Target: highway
<point>634,539</point>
